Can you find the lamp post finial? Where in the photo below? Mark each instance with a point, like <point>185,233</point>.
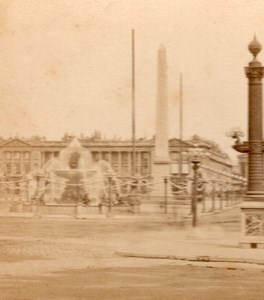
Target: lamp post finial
<point>254,47</point>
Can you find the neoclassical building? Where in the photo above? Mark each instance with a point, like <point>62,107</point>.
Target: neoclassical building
<point>19,156</point>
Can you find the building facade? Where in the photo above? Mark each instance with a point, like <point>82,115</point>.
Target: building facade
<point>19,156</point>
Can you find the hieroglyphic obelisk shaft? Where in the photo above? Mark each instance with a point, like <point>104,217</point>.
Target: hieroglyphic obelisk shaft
<point>161,160</point>
<point>161,141</point>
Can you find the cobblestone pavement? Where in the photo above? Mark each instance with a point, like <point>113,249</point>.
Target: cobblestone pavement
<point>46,249</point>
<point>43,246</point>
<point>31,247</point>
<point>23,256</point>
<point>76,259</point>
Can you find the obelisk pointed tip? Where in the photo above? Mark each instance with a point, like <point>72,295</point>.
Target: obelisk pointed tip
<point>162,48</point>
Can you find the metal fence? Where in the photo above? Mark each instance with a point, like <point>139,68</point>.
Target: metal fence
<point>134,192</point>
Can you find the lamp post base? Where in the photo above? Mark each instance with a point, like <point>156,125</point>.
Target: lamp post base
<point>252,210</point>
<point>160,169</point>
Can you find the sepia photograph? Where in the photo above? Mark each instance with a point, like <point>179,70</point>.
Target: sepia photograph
<point>131,149</point>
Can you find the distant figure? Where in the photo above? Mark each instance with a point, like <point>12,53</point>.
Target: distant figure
<point>86,200</point>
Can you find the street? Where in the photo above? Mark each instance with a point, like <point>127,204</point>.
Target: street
<point>77,259</point>
<point>159,282</point>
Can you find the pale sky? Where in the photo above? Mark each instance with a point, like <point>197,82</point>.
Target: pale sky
<point>65,65</point>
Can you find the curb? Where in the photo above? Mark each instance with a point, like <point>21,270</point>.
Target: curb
<point>86,217</point>
<point>216,211</point>
<point>203,258</point>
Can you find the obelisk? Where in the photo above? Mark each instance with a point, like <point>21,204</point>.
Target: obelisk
<point>161,161</point>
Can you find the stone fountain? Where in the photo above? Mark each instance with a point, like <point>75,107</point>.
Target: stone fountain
<point>74,177</point>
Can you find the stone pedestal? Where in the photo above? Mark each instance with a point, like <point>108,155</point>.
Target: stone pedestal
<point>160,169</point>
<point>79,209</point>
<point>252,224</point>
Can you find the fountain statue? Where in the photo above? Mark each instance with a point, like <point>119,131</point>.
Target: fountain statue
<point>74,177</point>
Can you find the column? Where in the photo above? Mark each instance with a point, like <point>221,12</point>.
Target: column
<point>12,163</point>
<point>21,162</point>
<point>129,166</point>
<point>110,157</point>
<point>254,73</point>
<point>139,161</point>
<point>253,204</point>
<point>100,155</point>
<point>120,166</point>
<point>42,158</point>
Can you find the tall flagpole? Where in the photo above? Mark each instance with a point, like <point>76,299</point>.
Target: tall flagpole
<point>180,127</point>
<point>133,107</point>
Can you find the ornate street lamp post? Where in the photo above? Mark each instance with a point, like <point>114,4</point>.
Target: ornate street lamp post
<point>253,204</point>
<point>166,178</point>
<point>196,155</point>
<point>196,163</point>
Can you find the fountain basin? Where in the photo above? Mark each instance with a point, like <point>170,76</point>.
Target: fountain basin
<point>74,175</point>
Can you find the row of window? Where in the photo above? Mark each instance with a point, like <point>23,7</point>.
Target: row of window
<point>16,169</point>
<point>143,167</point>
<point>25,168</point>
<point>104,155</point>
<point>113,155</point>
<point>16,155</point>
